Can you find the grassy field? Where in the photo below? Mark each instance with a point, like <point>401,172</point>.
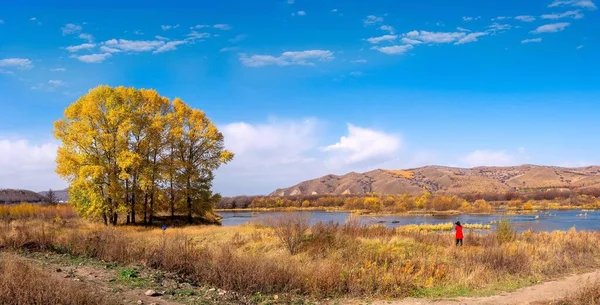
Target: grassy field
<point>287,257</point>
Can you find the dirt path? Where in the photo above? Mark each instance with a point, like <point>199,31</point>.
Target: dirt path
<point>543,293</point>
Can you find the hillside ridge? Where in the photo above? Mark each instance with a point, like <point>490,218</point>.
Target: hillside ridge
<point>446,179</point>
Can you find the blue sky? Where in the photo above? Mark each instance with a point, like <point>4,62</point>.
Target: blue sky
<point>304,88</point>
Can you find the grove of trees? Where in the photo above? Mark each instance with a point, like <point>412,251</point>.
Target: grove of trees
<point>133,152</point>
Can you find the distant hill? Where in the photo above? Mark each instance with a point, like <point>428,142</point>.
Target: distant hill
<point>440,179</point>
<point>8,196</point>
<point>61,195</point>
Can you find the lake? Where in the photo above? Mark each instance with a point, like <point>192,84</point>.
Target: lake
<point>547,221</point>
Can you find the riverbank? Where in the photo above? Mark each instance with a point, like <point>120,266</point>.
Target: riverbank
<point>365,212</point>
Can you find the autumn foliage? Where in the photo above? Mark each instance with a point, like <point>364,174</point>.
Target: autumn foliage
<point>134,152</point>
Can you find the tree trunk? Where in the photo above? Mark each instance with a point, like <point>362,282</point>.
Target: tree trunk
<point>151,206</point>
<point>105,219</point>
<point>127,196</point>
<point>114,220</point>
<point>133,200</point>
<point>172,200</point>
<point>189,202</point>
<point>145,208</point>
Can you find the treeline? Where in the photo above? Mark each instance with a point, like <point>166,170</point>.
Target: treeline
<point>129,151</point>
<point>391,203</point>
<point>402,203</point>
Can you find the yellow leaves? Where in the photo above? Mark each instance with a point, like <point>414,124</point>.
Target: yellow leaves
<point>226,156</point>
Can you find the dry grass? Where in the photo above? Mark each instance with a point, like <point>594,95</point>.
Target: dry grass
<point>37,211</point>
<point>588,295</point>
<point>331,259</point>
<point>403,173</point>
<point>23,284</point>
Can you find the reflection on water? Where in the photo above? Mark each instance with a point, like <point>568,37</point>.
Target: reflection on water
<point>542,221</point>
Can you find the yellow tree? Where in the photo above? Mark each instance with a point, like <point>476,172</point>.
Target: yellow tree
<point>199,150</point>
<point>93,135</point>
<point>119,143</point>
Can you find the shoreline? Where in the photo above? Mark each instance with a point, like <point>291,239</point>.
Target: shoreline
<point>409,213</point>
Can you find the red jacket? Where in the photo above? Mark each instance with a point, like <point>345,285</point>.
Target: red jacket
<point>459,233</point>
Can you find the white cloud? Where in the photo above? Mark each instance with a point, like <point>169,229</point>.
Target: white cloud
<point>471,37</point>
<point>168,27</point>
<point>525,18</point>
<point>334,10</point>
<point>489,158</point>
<point>19,63</point>
<point>501,18</point>
<point>435,37</point>
<point>134,45</point>
<point>85,46</point>
<point>462,29</point>
<point>531,40</point>
<point>469,19</point>
<point>268,155</point>
<point>290,1</point>
<point>32,19</point>
<point>56,83</point>
<point>356,73</point>
<point>87,37</point>
<point>169,46</point>
<point>200,26</point>
<point>161,37</point>
<point>226,27</point>
<point>301,13</point>
<point>70,28</point>
<point>359,61</point>
<point>387,28</point>
<point>576,3</point>
<point>379,39</point>
<point>551,28</point>
<point>24,165</point>
<point>372,19</point>
<point>138,32</point>
<point>93,58</point>
<point>394,50</point>
<point>362,145</point>
<point>106,49</point>
<point>567,14</point>
<point>411,41</point>
<point>302,58</point>
<point>228,49</point>
<point>58,70</point>
<point>497,27</point>
<point>197,36</point>
<point>579,47</point>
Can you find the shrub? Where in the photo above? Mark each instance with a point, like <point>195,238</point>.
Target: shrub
<point>505,231</point>
<point>290,229</point>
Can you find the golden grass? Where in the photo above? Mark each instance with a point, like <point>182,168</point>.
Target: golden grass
<point>332,260</point>
<point>441,227</point>
<point>36,211</point>
<point>403,173</point>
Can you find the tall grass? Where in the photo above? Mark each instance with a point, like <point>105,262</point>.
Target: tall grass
<point>21,283</point>
<point>36,211</point>
<point>332,260</point>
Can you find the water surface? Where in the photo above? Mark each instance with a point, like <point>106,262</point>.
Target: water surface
<point>546,221</point>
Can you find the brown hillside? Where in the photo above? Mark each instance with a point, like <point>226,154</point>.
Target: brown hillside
<point>18,196</point>
<point>440,179</point>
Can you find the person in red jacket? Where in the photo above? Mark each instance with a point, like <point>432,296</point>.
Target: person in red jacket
<point>459,233</point>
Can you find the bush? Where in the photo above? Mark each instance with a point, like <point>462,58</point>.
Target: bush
<point>505,231</point>
<point>290,229</point>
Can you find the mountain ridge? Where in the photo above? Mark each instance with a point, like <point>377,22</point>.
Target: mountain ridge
<point>446,179</point>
